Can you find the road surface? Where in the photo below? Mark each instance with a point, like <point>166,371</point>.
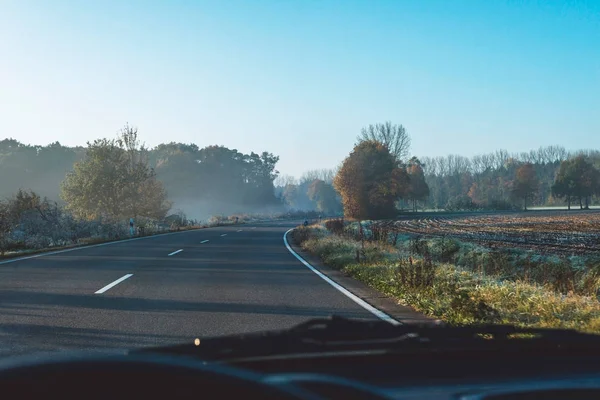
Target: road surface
<point>162,290</point>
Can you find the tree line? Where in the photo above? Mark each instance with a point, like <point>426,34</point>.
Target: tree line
<point>504,181</point>
<point>332,191</point>
<point>41,168</point>
<point>93,191</point>
<point>376,181</point>
<point>121,178</point>
<point>312,191</point>
<point>216,179</point>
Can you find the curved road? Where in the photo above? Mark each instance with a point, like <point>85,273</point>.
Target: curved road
<point>224,280</point>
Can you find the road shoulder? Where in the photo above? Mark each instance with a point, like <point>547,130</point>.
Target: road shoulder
<point>401,313</point>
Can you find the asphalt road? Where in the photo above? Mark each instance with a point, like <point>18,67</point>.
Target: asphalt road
<point>224,280</point>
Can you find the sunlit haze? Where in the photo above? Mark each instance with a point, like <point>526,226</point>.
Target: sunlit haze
<point>299,79</point>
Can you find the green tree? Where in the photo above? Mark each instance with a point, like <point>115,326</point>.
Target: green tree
<point>115,181</point>
<point>164,151</point>
<point>576,179</point>
<point>370,181</point>
<point>216,179</point>
<point>418,189</point>
<point>590,181</point>
<point>37,167</point>
<point>290,195</point>
<point>259,174</point>
<point>325,197</point>
<point>24,201</point>
<point>564,186</point>
<point>180,174</point>
<point>526,184</point>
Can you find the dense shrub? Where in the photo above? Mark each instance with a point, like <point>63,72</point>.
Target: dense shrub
<point>35,224</point>
<point>502,205</point>
<point>443,249</point>
<point>335,225</point>
<point>301,234</point>
<point>460,203</point>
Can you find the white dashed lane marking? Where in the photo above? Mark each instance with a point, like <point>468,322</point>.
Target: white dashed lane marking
<point>113,284</point>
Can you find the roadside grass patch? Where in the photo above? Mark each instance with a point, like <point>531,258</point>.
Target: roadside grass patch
<point>577,274</point>
<point>485,290</point>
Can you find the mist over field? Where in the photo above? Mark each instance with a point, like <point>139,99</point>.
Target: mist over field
<point>203,210</point>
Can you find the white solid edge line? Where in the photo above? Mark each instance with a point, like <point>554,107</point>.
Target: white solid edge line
<point>378,313</point>
<point>115,283</point>
<point>175,252</point>
<point>50,253</point>
<point>204,241</point>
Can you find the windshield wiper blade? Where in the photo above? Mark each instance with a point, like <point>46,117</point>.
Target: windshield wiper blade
<point>338,334</point>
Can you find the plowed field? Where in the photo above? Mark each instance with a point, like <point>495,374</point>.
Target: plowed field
<point>567,233</point>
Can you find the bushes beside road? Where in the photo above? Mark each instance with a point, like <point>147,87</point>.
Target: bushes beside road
<point>428,281</point>
<point>29,224</point>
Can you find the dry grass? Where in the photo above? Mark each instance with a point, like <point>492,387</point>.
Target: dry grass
<point>448,292</point>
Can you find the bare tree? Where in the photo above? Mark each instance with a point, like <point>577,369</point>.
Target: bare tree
<point>525,157</point>
<point>443,165</point>
<point>560,153</point>
<point>284,180</point>
<point>487,162</point>
<point>477,164</point>
<point>128,140</point>
<point>500,158</point>
<point>324,174</point>
<point>393,137</point>
<point>429,165</point>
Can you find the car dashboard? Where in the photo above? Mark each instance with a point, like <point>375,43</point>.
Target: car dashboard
<point>454,375</point>
<point>437,374</point>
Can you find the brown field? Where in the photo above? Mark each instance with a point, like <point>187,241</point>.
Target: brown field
<point>545,232</point>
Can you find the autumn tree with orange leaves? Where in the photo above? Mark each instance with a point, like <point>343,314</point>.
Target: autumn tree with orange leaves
<point>370,181</point>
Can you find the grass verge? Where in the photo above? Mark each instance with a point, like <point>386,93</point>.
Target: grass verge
<point>448,292</point>
<point>90,241</point>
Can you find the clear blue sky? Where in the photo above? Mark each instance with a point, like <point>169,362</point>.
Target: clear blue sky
<point>300,78</point>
